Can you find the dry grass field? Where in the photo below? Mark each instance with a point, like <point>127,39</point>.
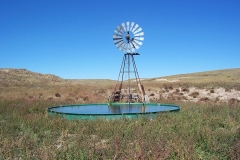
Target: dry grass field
<point>220,85</point>
<point>207,127</point>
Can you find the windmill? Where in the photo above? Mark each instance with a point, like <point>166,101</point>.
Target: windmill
<point>128,37</point>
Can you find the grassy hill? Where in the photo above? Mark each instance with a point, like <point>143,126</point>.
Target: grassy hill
<point>23,77</point>
<point>21,83</point>
<point>227,76</point>
<point>18,77</point>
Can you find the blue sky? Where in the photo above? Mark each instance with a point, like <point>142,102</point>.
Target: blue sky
<point>73,39</point>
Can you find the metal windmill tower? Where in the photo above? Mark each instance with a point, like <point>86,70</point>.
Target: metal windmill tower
<point>128,37</point>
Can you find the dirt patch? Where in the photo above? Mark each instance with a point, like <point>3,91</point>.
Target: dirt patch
<point>195,94</point>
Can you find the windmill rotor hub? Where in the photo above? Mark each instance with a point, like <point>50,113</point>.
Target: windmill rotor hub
<point>127,37</point>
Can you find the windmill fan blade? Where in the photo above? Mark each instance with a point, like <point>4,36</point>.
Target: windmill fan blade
<point>118,31</point>
<point>135,27</point>
<point>124,27</point>
<point>120,46</point>
<point>117,39</point>
<point>131,27</point>
<point>138,42</point>
<point>136,45</point>
<point>139,38</point>
<point>120,28</point>
<point>114,39</point>
<point>117,36</point>
<point>129,48</point>
<point>126,48</point>
<point>138,30</point>
<point>128,26</point>
<point>117,42</point>
<point>123,48</point>
<point>132,46</point>
<point>139,34</point>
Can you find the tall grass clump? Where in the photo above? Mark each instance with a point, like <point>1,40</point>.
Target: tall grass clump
<point>198,131</point>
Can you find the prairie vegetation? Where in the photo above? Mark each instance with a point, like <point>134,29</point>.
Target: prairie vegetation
<point>199,131</point>
<point>203,129</point>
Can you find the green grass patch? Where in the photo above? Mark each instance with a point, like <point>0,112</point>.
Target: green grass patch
<point>198,131</point>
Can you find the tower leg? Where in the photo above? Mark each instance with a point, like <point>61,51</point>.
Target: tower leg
<point>118,95</point>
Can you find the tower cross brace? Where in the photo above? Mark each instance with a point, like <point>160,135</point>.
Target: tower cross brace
<point>119,94</point>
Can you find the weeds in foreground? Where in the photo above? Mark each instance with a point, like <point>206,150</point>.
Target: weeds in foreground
<point>198,131</point>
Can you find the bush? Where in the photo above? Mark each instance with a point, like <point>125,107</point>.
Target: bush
<point>86,98</point>
<point>194,94</point>
<point>233,101</point>
<point>175,93</point>
<point>211,91</point>
<point>204,99</point>
<point>57,95</point>
<point>152,94</point>
<point>185,90</point>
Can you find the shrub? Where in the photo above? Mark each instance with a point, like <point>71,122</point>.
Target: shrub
<point>50,98</point>
<point>179,98</point>
<point>217,99</point>
<point>152,94</point>
<point>184,97</point>
<point>204,99</point>
<point>227,90</point>
<point>57,95</point>
<point>102,91</point>
<point>185,90</point>
<point>211,91</point>
<point>194,94</point>
<point>85,98</point>
<point>175,92</point>
<point>237,88</point>
<point>233,101</point>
